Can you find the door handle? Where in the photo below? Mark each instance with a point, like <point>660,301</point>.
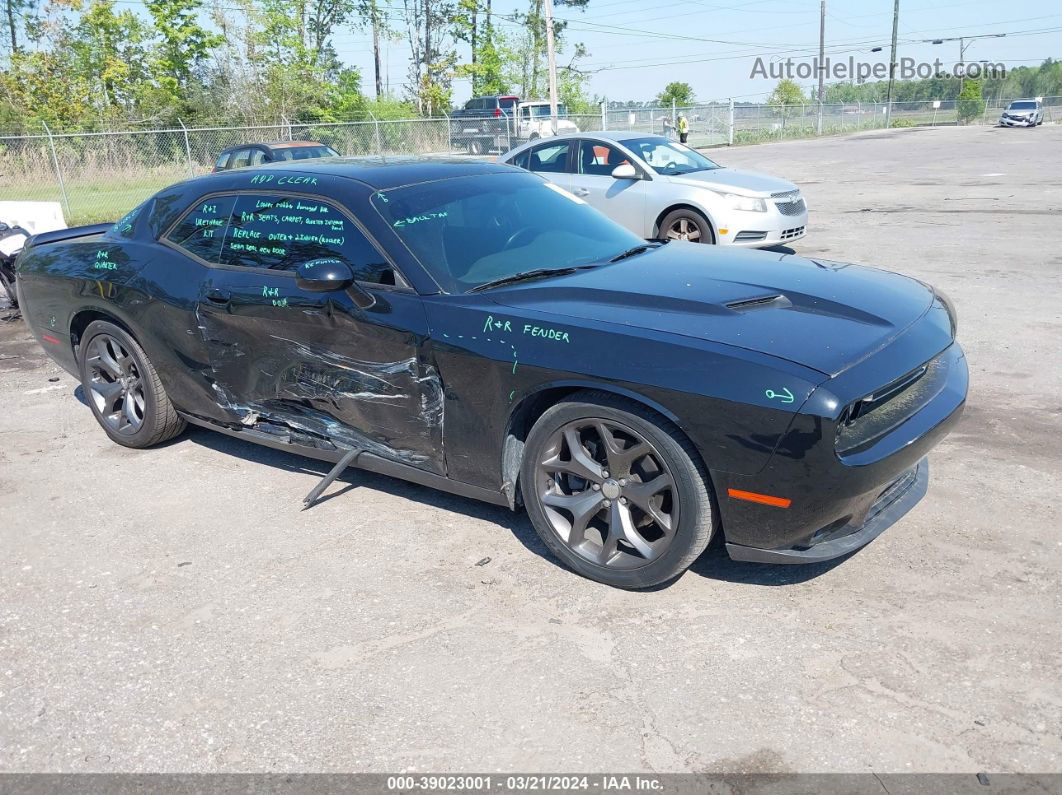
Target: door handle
<point>581,192</point>
<point>218,296</point>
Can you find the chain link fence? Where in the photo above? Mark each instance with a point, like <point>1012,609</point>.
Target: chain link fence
<point>99,176</point>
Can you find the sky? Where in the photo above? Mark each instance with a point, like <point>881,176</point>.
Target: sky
<point>636,47</point>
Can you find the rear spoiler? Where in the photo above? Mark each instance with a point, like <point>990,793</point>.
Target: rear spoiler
<point>68,234</point>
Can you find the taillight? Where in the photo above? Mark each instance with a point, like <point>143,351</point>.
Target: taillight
<point>497,112</point>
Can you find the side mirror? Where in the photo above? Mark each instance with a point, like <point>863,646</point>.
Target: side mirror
<point>624,171</point>
<point>323,275</point>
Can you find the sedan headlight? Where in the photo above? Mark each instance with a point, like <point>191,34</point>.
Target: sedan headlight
<point>747,203</point>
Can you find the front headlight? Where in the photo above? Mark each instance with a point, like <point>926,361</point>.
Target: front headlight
<point>746,203</point>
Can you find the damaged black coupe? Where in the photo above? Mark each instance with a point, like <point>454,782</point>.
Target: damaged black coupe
<point>471,327</point>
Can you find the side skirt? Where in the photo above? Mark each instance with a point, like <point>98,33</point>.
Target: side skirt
<point>365,460</point>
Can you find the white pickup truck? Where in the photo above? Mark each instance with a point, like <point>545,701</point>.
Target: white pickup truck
<point>526,121</point>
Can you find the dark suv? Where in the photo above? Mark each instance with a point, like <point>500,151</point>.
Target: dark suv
<point>256,154</point>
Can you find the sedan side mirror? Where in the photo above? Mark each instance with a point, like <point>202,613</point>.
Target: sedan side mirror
<point>323,275</point>
<point>624,171</point>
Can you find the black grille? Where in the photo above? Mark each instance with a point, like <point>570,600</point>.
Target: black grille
<point>789,234</point>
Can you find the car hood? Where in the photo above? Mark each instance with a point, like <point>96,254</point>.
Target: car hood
<point>826,316</point>
<point>733,180</point>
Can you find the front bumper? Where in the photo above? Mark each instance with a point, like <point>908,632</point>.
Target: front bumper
<point>1007,122</point>
<point>892,504</point>
<point>761,230</point>
<point>841,499</point>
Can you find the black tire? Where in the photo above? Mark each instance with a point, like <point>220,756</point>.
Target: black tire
<point>547,483</point>
<point>675,220</point>
<point>123,389</point>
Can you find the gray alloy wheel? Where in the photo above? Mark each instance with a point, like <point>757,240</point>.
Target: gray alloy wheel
<point>115,385</point>
<point>616,491</point>
<point>123,389</point>
<point>608,493</point>
<point>686,225</point>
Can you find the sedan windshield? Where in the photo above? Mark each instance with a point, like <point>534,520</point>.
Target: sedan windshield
<point>668,157</point>
<point>468,231</point>
<point>1022,106</point>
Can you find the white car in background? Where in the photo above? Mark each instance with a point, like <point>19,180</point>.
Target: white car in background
<point>1023,113</point>
<point>533,121</point>
<point>663,190</point>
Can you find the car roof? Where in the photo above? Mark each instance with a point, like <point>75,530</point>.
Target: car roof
<point>619,136</point>
<point>272,145</point>
<point>382,173</point>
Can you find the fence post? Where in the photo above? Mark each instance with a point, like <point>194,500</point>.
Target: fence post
<point>604,114</point>
<point>449,134</point>
<point>187,149</point>
<point>376,125</point>
<point>730,125</point>
<point>58,171</point>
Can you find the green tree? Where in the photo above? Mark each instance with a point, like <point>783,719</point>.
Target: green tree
<point>971,104</point>
<point>681,94</point>
<point>785,99</point>
<point>183,44</point>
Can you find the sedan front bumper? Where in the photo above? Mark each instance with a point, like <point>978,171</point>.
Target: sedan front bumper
<point>1005,122</point>
<point>760,230</point>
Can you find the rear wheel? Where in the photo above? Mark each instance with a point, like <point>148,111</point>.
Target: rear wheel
<point>686,224</point>
<point>615,491</point>
<point>123,390</point>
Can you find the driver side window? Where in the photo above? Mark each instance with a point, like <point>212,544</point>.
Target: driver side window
<point>599,159</point>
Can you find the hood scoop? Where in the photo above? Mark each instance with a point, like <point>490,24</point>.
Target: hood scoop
<point>775,300</point>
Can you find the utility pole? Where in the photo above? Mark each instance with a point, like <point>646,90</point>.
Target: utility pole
<point>822,60</point>
<point>374,12</point>
<point>892,63</point>
<point>551,58</point>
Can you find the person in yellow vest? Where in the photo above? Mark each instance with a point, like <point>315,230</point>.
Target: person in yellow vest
<point>683,128</point>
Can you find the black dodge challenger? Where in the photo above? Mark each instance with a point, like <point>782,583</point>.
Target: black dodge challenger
<point>471,327</point>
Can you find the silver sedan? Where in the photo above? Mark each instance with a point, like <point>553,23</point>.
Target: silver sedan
<point>661,189</point>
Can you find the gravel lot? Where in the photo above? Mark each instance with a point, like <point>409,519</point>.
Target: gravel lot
<point>173,610</point>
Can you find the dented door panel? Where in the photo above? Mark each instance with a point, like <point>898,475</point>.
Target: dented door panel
<point>319,364</point>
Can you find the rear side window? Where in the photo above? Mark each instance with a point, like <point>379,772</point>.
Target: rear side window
<point>549,158</point>
<point>223,161</point>
<point>202,230</point>
<point>257,157</point>
<point>124,226</point>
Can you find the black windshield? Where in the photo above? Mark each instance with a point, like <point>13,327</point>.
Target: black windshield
<point>469,231</point>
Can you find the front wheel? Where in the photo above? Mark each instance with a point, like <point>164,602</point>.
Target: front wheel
<point>123,390</point>
<point>686,224</point>
<point>615,491</point>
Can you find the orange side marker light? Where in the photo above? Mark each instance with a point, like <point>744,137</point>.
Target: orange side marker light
<point>763,499</point>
